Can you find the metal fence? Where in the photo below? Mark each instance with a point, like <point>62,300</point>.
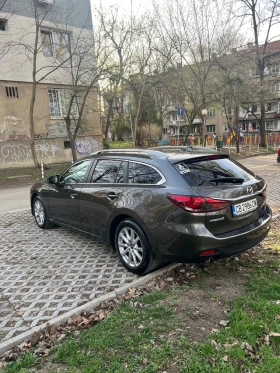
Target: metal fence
<point>272,140</point>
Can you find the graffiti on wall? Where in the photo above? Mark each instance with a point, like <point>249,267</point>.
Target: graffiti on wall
<point>14,129</point>
<point>86,146</point>
<point>22,153</point>
<point>58,129</point>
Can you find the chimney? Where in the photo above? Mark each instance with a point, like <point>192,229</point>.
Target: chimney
<point>250,45</point>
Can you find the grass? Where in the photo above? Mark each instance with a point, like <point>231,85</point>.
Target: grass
<point>146,335</point>
<point>34,174</point>
<point>120,144</point>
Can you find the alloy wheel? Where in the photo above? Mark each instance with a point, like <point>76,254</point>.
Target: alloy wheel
<point>130,247</point>
<point>39,212</point>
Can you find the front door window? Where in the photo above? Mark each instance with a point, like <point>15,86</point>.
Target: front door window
<point>76,173</point>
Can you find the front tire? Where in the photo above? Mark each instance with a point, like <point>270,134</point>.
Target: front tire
<point>40,214</point>
<point>134,248</point>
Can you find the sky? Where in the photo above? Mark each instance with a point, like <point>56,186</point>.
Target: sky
<point>142,5</point>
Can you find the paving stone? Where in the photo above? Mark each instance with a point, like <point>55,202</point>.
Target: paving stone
<point>45,273</point>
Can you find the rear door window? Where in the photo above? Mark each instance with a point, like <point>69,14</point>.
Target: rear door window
<point>142,174</point>
<point>202,173</point>
<point>108,171</point>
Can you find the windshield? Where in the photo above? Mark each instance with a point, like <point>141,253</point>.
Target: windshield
<point>204,172</point>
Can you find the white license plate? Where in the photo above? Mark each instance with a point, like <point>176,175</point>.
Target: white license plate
<point>244,207</point>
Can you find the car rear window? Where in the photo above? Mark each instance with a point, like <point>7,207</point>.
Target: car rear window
<point>200,172</point>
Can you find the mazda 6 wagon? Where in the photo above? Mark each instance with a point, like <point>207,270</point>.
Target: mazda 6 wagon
<point>155,207</point>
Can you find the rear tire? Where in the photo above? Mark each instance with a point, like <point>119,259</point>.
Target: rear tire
<point>134,248</point>
<point>40,214</point>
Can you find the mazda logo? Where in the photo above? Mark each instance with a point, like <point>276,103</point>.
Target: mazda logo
<point>250,190</point>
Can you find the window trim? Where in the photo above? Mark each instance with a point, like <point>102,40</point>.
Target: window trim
<point>160,182</point>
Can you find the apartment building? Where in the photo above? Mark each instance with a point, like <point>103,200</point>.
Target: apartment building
<point>216,121</point>
<point>61,28</point>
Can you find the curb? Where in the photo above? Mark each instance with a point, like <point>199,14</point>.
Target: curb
<point>13,211</point>
<point>15,341</point>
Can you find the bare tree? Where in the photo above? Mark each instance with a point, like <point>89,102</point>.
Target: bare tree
<point>264,15</point>
<point>197,31</point>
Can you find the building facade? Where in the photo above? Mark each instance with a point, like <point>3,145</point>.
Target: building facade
<point>216,121</point>
<point>61,28</point>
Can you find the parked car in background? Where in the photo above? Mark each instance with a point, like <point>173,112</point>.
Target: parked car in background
<point>154,206</point>
<point>278,157</point>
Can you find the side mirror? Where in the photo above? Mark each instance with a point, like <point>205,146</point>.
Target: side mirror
<point>53,179</point>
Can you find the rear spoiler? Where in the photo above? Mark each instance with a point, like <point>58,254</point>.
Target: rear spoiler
<point>200,158</point>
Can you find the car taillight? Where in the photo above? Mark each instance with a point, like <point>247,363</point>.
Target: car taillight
<point>279,151</point>
<point>197,204</point>
<point>263,193</point>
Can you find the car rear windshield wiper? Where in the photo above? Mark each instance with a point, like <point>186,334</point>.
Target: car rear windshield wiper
<point>227,180</point>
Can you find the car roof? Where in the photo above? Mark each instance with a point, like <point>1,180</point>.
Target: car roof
<point>174,155</point>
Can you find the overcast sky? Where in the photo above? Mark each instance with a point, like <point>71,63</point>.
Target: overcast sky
<point>142,5</point>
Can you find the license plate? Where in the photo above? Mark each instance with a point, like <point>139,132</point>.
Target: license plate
<point>244,207</point>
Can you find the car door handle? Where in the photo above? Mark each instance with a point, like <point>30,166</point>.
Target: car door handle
<point>73,195</point>
<point>112,195</point>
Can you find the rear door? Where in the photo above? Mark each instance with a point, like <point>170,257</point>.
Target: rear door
<point>219,178</point>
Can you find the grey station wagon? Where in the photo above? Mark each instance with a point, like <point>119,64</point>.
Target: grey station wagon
<point>155,207</point>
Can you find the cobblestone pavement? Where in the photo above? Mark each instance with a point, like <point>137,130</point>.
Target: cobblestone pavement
<point>271,174</point>
<point>45,273</point>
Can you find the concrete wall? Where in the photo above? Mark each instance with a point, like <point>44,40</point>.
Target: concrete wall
<point>50,133</point>
<point>17,153</point>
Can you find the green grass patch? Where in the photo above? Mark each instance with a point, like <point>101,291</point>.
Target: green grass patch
<point>147,335</point>
<point>32,172</point>
<point>120,144</point>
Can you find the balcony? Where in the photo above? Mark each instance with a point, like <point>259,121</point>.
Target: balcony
<point>197,121</point>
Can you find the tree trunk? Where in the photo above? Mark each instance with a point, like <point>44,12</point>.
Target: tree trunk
<point>237,126</point>
<point>262,121</point>
<point>34,88</point>
<point>109,113</point>
<point>71,139</point>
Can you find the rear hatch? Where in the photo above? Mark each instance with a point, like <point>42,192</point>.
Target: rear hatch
<point>216,177</point>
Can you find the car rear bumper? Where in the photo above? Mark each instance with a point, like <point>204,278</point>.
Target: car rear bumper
<point>187,247</point>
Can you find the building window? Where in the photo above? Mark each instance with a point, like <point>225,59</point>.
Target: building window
<point>60,100</point>
<point>275,87</point>
<point>211,113</point>
<point>55,44</point>
<point>272,125</point>
<point>210,128</point>
<point>164,131</point>
<point>3,25</point>
<point>274,68</point>
<point>12,92</point>
<point>271,106</point>
<point>225,127</point>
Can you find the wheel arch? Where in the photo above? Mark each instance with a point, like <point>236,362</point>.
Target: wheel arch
<point>115,221</point>
<point>34,195</point>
